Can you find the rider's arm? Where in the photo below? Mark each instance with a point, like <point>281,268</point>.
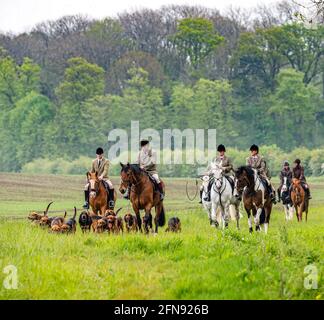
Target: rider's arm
<point>105,169</point>
<point>302,174</point>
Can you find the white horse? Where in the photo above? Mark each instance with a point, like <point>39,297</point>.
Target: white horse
<point>222,198</point>
<point>285,197</point>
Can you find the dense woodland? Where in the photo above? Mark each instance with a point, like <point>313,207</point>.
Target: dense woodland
<point>256,78</point>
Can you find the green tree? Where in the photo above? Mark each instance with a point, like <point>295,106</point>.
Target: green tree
<point>196,38</point>
<point>257,60</point>
<point>293,109</point>
<point>29,76</point>
<point>82,81</point>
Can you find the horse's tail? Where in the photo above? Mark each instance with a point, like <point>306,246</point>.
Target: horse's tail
<point>161,220</point>
<point>262,216</point>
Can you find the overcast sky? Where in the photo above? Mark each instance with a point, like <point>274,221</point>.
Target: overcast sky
<point>21,15</point>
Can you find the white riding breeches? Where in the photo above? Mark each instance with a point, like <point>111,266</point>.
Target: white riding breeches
<point>156,178</point>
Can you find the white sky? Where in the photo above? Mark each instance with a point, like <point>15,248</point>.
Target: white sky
<point>21,15</point>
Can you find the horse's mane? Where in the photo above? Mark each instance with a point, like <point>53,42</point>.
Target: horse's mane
<point>249,171</point>
<point>133,167</point>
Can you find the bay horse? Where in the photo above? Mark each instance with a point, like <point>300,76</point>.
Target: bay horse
<point>98,196</point>
<point>143,196</point>
<point>299,199</point>
<point>255,197</point>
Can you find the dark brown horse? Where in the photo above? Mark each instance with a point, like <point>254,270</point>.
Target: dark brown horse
<point>143,196</point>
<point>255,197</point>
<point>98,195</point>
<point>299,199</point>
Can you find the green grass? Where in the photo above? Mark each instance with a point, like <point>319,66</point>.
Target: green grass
<point>199,263</point>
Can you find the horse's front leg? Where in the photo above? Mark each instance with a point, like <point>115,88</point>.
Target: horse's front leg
<point>237,216</point>
<point>248,211</point>
<point>214,206</point>
<point>225,215</point>
<point>147,220</point>
<point>138,216</point>
<point>257,218</point>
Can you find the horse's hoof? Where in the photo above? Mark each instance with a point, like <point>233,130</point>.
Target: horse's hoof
<point>226,225</point>
<point>257,228</point>
<point>251,230</point>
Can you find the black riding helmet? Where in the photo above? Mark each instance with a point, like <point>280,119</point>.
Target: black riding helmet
<point>99,151</point>
<point>221,147</point>
<point>286,163</point>
<point>297,161</point>
<point>254,147</point>
<point>144,142</point>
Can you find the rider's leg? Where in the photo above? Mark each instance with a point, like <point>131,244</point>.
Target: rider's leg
<point>207,197</point>
<point>159,184</point>
<point>111,194</point>
<point>86,196</point>
<point>271,189</point>
<point>201,192</point>
<point>307,191</point>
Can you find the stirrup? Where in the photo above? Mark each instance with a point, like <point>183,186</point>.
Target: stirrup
<point>86,205</point>
<point>111,203</point>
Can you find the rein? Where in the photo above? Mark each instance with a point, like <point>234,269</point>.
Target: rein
<point>187,193</point>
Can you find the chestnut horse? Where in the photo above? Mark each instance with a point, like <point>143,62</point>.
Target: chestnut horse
<point>98,197</point>
<point>255,197</point>
<point>299,199</point>
<point>143,196</point>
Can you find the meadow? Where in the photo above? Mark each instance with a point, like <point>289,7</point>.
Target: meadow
<point>199,263</point>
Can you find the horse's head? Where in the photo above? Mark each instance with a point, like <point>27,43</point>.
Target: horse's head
<point>244,178</point>
<point>94,183</point>
<point>285,186</point>
<point>128,175</point>
<point>217,172</point>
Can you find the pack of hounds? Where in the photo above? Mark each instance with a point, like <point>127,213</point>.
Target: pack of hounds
<point>110,222</point>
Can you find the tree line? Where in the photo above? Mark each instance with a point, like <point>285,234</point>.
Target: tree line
<point>65,84</point>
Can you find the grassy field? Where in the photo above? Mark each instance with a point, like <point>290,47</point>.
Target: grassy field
<point>199,263</point>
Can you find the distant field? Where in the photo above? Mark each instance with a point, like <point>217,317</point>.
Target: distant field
<point>199,263</point>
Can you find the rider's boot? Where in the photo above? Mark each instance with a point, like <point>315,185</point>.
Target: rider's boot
<point>161,190</point>
<point>86,199</point>
<point>279,198</point>
<point>201,192</point>
<point>111,202</point>
<point>207,198</point>
<point>272,195</point>
<point>308,194</point>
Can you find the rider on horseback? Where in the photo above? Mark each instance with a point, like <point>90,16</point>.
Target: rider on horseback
<point>101,166</point>
<point>298,173</point>
<point>284,173</point>
<point>222,161</point>
<point>256,161</point>
<point>147,161</point>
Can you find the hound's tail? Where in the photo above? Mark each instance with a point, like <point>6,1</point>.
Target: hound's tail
<point>75,212</point>
<point>46,211</point>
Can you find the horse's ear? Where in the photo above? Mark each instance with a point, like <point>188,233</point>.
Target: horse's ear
<point>122,165</point>
<point>88,174</point>
<point>96,174</point>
